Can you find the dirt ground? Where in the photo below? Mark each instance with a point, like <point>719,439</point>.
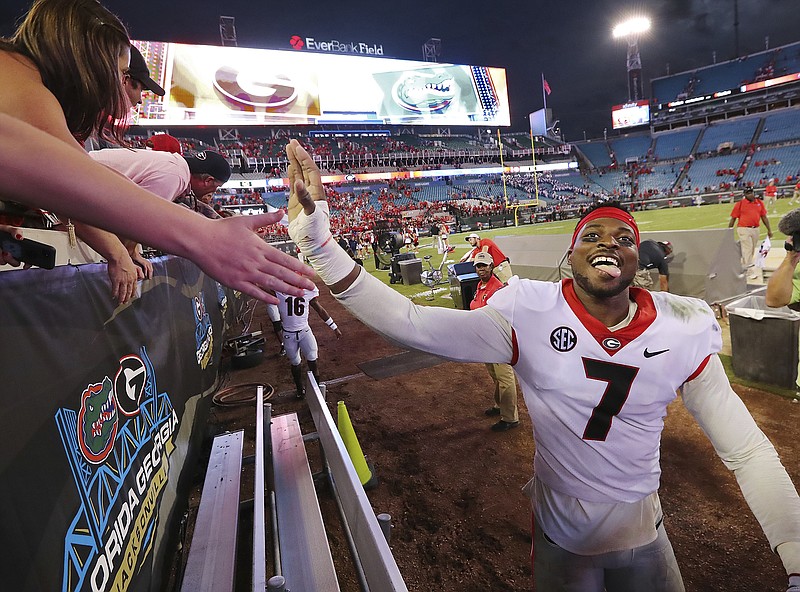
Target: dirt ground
<point>452,486</point>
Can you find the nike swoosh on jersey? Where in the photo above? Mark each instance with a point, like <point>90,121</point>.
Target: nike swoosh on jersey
<point>649,354</point>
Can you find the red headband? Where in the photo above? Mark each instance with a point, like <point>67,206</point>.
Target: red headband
<point>607,212</point>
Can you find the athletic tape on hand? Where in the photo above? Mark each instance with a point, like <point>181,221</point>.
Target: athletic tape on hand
<point>312,235</point>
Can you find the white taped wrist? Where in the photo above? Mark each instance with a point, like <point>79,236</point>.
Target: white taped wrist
<point>312,235</point>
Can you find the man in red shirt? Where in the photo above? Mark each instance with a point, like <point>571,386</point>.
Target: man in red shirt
<point>505,386</point>
<point>750,213</point>
<point>502,266</point>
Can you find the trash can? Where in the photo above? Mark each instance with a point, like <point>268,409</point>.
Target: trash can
<point>764,344</point>
<point>463,282</point>
<point>411,271</point>
<point>394,269</point>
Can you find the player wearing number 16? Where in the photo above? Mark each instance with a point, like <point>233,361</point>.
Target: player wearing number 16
<point>598,363</point>
<point>297,334</point>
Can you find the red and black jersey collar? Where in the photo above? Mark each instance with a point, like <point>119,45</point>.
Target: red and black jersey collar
<point>613,341</point>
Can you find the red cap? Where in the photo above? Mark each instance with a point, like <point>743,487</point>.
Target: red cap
<point>165,143</point>
<point>607,212</point>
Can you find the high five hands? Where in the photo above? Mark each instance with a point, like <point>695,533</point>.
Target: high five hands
<point>305,181</point>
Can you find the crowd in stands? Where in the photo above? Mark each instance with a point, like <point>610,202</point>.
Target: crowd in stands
<point>187,145</point>
<point>355,211</point>
<point>321,147</point>
<point>472,208</point>
<point>343,155</point>
<point>394,203</point>
<point>767,71</point>
<point>398,203</point>
<point>244,198</point>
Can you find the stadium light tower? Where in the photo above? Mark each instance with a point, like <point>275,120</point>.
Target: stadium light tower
<point>630,30</point>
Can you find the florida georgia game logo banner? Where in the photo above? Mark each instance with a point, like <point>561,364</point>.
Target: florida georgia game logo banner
<point>118,441</point>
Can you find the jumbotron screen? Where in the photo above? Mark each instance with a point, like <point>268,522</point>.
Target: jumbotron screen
<point>235,86</point>
<point>630,114</point>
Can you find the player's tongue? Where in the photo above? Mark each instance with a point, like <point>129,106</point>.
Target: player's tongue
<point>611,270</point>
<point>607,266</point>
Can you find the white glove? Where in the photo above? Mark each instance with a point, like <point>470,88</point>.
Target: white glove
<point>312,234</point>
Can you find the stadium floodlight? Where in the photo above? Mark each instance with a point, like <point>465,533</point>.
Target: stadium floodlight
<point>633,26</point>
<point>630,31</point>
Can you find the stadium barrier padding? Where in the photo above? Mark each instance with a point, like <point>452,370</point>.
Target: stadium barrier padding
<point>706,263</point>
<point>103,412</point>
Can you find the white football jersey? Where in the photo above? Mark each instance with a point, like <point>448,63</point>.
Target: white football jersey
<point>294,310</point>
<point>597,398</point>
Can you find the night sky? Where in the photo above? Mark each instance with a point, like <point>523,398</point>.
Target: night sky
<point>567,40</point>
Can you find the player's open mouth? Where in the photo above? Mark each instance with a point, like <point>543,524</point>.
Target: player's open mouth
<point>607,265</point>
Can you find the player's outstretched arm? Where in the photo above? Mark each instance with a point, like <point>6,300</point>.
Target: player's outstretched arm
<point>468,336</point>
<point>228,250</point>
<point>746,451</point>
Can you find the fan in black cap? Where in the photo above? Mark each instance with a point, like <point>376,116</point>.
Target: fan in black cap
<point>138,71</point>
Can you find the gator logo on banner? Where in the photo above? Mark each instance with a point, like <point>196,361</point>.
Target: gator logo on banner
<point>118,445</point>
<point>97,421</point>
<point>204,334</point>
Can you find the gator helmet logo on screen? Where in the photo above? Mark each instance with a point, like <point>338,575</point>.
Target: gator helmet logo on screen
<point>425,92</point>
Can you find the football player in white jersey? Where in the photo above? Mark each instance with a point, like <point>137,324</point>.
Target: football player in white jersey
<point>297,334</point>
<point>598,363</point>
